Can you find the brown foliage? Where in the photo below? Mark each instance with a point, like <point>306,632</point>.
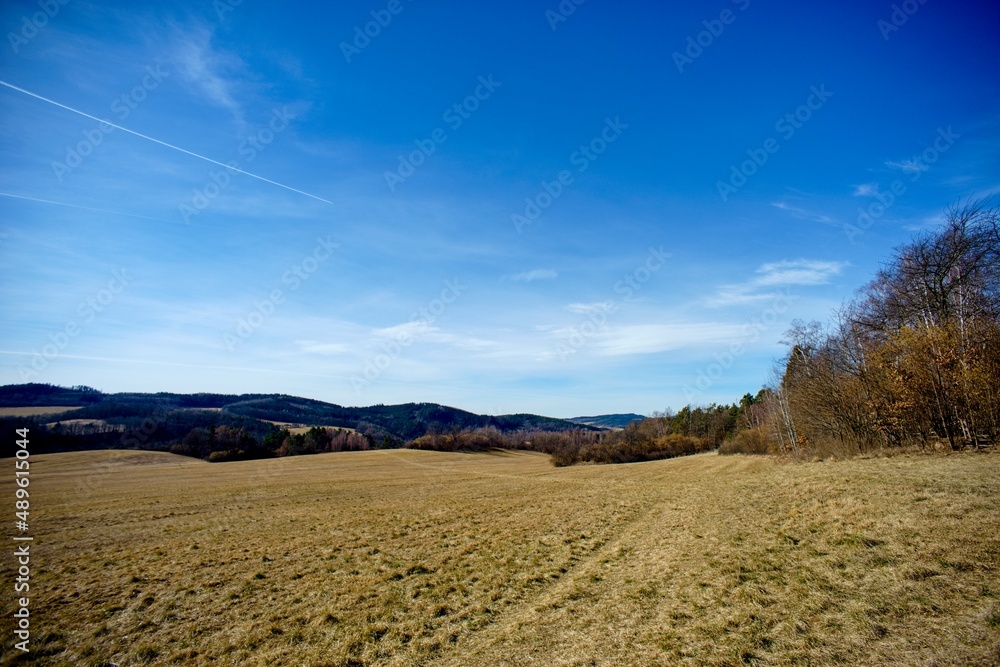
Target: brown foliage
<point>647,440</point>
<point>749,441</point>
<point>913,360</point>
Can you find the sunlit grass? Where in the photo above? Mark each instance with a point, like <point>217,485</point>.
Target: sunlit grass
<point>421,558</point>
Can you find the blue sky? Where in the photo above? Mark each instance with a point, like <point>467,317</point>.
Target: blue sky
<point>509,208</point>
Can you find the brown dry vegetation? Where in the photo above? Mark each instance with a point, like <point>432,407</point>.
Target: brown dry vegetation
<point>36,411</point>
<point>302,429</point>
<point>405,557</point>
<point>911,361</point>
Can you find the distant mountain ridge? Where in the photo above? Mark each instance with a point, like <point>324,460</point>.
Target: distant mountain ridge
<point>608,421</point>
<point>171,416</point>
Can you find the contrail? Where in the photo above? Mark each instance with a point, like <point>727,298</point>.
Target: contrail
<point>157,141</point>
<point>88,208</point>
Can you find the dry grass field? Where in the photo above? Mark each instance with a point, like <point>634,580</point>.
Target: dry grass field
<point>298,429</point>
<point>423,558</point>
<point>36,411</point>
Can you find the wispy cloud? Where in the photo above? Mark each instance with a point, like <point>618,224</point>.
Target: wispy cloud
<point>786,273</point>
<point>654,338</point>
<point>797,272</point>
<point>987,192</point>
<point>801,213</point>
<point>215,73</point>
<point>420,331</point>
<point>316,347</point>
<point>908,166</point>
<point>533,275</point>
<point>739,295</point>
<point>640,339</point>
<point>865,190</point>
<point>931,222</point>
<point>585,308</point>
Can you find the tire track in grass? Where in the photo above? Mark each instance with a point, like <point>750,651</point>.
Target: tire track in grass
<point>558,624</point>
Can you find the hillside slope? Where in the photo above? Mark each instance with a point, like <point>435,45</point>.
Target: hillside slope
<point>161,420</point>
<point>608,421</point>
<point>405,558</point>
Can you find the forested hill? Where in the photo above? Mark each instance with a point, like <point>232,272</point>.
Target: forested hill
<point>609,421</point>
<point>98,420</point>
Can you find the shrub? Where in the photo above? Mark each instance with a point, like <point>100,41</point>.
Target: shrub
<point>748,441</point>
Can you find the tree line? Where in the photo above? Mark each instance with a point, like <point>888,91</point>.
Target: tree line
<point>912,361</point>
<point>664,435</point>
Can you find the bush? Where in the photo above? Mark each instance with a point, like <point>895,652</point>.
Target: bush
<point>749,441</point>
<point>648,440</point>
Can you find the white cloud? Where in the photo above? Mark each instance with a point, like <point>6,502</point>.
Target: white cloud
<point>866,190</point>
<point>215,73</point>
<point>638,339</point>
<point>595,307</point>
<point>908,166</point>
<point>988,192</point>
<point>802,213</point>
<point>536,274</point>
<point>400,331</point>
<point>740,295</point>
<point>421,331</point>
<point>786,273</point>
<point>798,272</point>
<point>654,338</point>
<point>929,223</point>
<point>316,347</point>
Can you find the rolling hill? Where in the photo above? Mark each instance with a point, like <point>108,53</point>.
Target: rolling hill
<point>608,421</point>
<point>160,420</point>
<point>402,558</point>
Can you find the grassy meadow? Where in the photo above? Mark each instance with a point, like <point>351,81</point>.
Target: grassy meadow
<point>403,557</point>
<point>36,411</point>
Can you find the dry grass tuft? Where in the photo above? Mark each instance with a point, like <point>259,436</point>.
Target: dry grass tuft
<point>412,558</point>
